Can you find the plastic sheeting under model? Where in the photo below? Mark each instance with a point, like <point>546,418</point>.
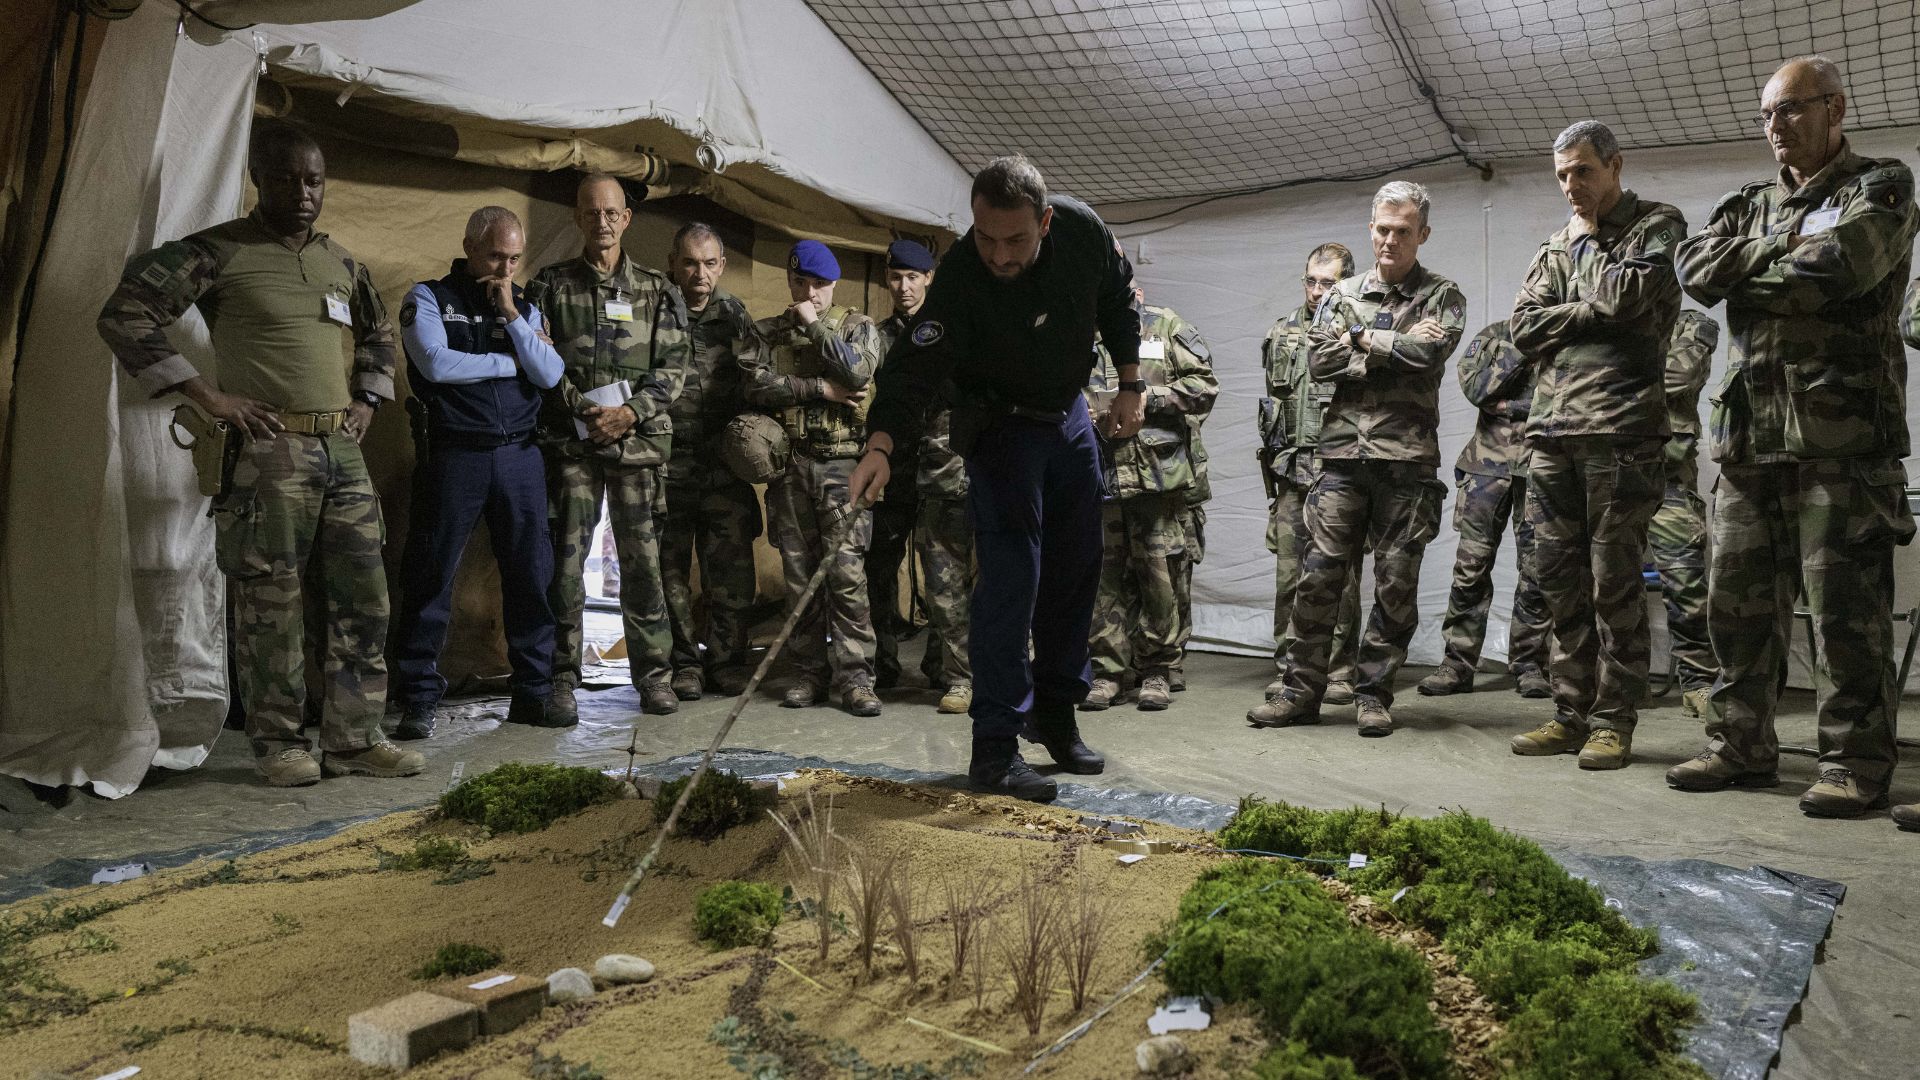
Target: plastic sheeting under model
<point>1743,941</point>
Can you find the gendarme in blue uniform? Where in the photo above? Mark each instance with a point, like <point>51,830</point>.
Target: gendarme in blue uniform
<point>1019,353</point>
<point>477,377</point>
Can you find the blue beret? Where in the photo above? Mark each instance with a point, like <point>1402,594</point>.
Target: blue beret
<point>907,255</point>
<point>811,257</point>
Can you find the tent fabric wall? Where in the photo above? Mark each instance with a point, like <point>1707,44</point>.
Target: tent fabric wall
<point>1233,266</point>
<point>112,658</point>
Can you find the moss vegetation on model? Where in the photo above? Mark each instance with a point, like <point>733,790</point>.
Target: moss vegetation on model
<point>736,913</point>
<point>458,958</point>
<point>721,802</point>
<point>1558,965</point>
<point>521,798</point>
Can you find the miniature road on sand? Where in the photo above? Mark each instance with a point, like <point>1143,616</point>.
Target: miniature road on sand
<point>1858,1018</point>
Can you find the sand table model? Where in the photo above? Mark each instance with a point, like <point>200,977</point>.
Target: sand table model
<point>845,927</point>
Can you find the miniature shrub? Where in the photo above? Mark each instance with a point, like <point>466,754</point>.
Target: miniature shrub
<point>1613,1026</point>
<point>722,801</point>
<point>1293,1061</point>
<point>457,958</point>
<point>429,853</point>
<point>1284,945</point>
<point>523,798</point>
<point>735,913</point>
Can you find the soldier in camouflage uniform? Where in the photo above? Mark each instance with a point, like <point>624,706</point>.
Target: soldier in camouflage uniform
<point>612,320</point>
<point>1136,615</point>
<point>1677,539</point>
<point>811,367</point>
<point>1907,815</point>
<point>943,533</point>
<point>1289,431</point>
<point>1809,427</point>
<point>296,504</point>
<point>1193,542</point>
<point>708,508</point>
<point>1491,485</point>
<point>1596,312</point>
<point>1382,339</point>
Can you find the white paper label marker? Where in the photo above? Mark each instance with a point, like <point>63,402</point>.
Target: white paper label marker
<point>613,913</point>
<point>488,984</point>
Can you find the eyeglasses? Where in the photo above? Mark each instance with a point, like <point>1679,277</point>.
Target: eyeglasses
<point>1318,282</point>
<point>1788,111</point>
<point>604,215</point>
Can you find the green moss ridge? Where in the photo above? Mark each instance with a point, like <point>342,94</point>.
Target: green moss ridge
<point>736,913</point>
<point>458,958</point>
<point>1558,964</point>
<point>521,798</point>
<point>721,802</point>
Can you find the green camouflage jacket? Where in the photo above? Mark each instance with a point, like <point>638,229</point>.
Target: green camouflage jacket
<point>1814,368</point>
<point>784,366</point>
<point>1595,313</point>
<point>1497,378</point>
<point>273,347</point>
<point>710,395</point>
<point>1180,386</point>
<point>630,324</point>
<point>1689,356</point>
<point>1386,400</point>
<point>1302,401</point>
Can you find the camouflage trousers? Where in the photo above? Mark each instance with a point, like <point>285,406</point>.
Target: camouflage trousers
<point>834,637</point>
<point>1677,542</point>
<point>893,521</point>
<point>299,533</point>
<point>1135,614</point>
<point>1287,539</point>
<point>633,494</point>
<point>1589,499</point>
<point>1392,507</point>
<point>718,516</point>
<point>944,541</point>
<point>1828,527</point>
<point>1482,506</point>
<point>1193,525</point>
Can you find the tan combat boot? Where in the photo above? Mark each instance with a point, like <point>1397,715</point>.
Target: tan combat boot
<point>802,695</point>
<point>292,767</point>
<point>1277,687</point>
<point>1446,679</point>
<point>1839,793</point>
<point>958,699</point>
<point>1101,695</point>
<point>1154,693</point>
<point>1694,702</point>
<point>1713,771</point>
<point>657,698</point>
<point>1606,749</point>
<point>1553,737</point>
<point>380,759</point>
<point>1339,692</point>
<point>1907,816</point>
<point>861,701</point>
<point>1372,718</point>
<point>1283,710</point>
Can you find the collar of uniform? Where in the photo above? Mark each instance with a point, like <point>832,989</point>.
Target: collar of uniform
<point>1625,209</point>
<point>1821,184</point>
<point>716,308</point>
<point>314,236</point>
<point>463,278</point>
<point>620,275</point>
<point>1371,286</point>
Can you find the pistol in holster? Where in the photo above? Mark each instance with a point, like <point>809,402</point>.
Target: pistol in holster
<point>1273,440</point>
<point>215,449</point>
<point>418,421</point>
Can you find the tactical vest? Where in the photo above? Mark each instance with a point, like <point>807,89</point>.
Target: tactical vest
<point>498,410</point>
<point>825,429</point>
<point>1302,402</point>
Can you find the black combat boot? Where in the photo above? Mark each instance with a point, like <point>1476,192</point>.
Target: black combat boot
<point>998,769</point>
<point>1053,725</point>
<point>416,721</point>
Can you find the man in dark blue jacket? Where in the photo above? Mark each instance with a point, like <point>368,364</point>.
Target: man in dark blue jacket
<point>1010,319</point>
<point>476,363</point>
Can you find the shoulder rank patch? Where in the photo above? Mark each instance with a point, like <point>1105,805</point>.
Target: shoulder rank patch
<point>156,274</point>
<point>1473,346</point>
<point>407,312</point>
<point>928,333</point>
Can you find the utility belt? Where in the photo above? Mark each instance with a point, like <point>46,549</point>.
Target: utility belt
<point>441,439</point>
<point>969,420</point>
<point>820,422</point>
<point>314,423</point>
<point>827,449</point>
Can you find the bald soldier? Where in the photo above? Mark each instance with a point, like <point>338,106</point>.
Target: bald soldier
<point>1596,311</point>
<point>305,356</point>
<point>622,330</point>
<point>1290,421</point>
<point>1383,339</point>
<point>811,366</point>
<point>1809,428</point>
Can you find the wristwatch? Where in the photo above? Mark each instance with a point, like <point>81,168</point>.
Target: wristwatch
<point>1138,386</point>
<point>1353,334</point>
<point>368,398</point>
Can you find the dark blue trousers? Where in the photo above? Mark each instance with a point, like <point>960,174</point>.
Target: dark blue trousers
<point>1034,490</point>
<point>453,489</point>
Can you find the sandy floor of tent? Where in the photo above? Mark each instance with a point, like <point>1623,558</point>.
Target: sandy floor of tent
<point>1858,1016</point>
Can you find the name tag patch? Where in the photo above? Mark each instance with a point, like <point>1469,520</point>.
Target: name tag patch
<point>1153,349</point>
<point>338,311</point>
<point>620,311</point>
<point>1820,221</point>
<point>1383,321</point>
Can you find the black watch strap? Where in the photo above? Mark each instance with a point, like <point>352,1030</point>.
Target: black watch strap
<point>1138,386</point>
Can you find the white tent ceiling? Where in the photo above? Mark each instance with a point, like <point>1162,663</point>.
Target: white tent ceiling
<point>1121,100</point>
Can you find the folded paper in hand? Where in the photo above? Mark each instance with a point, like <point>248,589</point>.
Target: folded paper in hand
<point>608,396</point>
